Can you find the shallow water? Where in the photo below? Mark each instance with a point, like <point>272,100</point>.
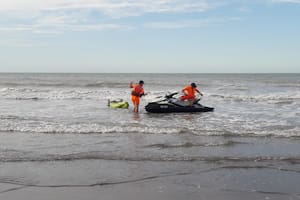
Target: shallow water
<point>245,105</point>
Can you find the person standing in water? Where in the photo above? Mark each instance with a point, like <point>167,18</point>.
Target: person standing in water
<point>136,93</point>
<point>189,93</point>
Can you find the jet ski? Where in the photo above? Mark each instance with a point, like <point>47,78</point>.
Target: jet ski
<point>120,103</point>
<point>171,104</point>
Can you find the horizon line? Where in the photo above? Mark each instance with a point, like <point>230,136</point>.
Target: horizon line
<point>149,72</point>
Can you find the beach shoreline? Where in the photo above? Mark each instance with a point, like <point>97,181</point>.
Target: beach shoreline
<point>266,168</point>
<point>231,183</point>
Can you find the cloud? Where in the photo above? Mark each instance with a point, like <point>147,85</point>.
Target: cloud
<point>56,16</point>
<point>110,8</point>
<point>60,28</point>
<point>195,23</point>
<point>287,1</point>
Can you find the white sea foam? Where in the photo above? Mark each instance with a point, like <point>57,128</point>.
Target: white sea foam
<point>60,94</point>
<point>13,124</point>
<point>47,127</point>
<point>288,97</point>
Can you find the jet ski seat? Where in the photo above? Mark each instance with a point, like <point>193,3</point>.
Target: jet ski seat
<point>178,102</point>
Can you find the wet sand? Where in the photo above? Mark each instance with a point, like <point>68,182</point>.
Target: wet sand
<point>221,184</point>
<point>168,167</point>
<point>111,180</point>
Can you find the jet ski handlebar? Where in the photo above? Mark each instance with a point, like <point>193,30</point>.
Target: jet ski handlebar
<point>169,96</point>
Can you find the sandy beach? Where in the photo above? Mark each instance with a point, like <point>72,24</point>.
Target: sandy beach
<point>248,168</point>
<point>247,183</point>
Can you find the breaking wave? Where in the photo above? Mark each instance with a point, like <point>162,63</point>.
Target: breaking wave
<point>60,94</point>
<point>277,98</point>
<point>84,129</point>
<point>29,125</point>
<point>65,84</point>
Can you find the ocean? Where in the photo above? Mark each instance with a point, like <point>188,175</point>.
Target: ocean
<point>56,131</point>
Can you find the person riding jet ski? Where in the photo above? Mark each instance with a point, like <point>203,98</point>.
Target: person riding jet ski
<point>172,104</point>
<point>189,93</point>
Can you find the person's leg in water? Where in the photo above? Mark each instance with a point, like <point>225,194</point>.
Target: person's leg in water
<point>136,102</point>
<point>135,107</point>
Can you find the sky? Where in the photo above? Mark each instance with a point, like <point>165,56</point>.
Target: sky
<point>150,36</point>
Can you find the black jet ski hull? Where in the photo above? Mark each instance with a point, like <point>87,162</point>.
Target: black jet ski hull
<point>170,108</point>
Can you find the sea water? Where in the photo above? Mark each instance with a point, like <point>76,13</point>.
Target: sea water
<point>64,119</point>
<point>245,104</point>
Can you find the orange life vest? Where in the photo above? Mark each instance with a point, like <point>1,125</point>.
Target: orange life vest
<point>190,91</point>
<point>137,90</point>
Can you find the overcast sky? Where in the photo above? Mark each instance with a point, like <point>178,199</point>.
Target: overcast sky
<point>180,36</point>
